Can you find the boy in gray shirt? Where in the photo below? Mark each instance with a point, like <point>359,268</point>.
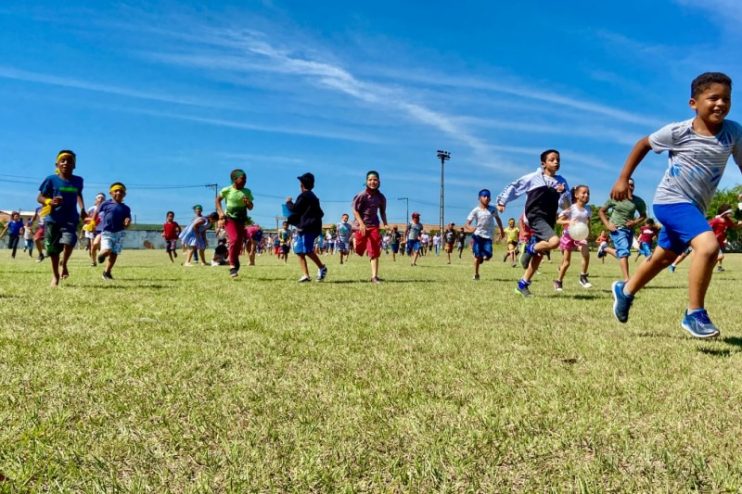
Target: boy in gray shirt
<point>698,152</point>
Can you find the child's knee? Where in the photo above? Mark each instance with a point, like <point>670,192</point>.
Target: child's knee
<point>553,242</point>
<point>705,245</point>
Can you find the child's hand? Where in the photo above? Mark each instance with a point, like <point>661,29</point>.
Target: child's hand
<point>127,222</point>
<point>621,190</point>
<point>288,200</point>
<point>57,200</point>
<point>559,187</point>
<point>501,208</point>
<point>611,227</point>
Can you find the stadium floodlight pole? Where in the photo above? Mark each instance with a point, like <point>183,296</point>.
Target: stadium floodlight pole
<point>443,156</point>
<point>407,207</point>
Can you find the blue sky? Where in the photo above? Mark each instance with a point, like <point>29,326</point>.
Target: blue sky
<point>163,94</point>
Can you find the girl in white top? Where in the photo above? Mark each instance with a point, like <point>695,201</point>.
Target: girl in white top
<point>579,212</point>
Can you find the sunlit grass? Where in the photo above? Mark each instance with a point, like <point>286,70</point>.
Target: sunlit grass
<point>179,379</point>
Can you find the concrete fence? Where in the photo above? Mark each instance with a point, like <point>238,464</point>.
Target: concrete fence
<point>138,239</point>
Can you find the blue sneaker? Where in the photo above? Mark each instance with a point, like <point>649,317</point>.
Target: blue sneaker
<point>699,325</point>
<point>322,273</point>
<point>621,303</point>
<point>522,288</point>
<point>671,268</point>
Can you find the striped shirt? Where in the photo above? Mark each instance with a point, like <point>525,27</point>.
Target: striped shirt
<point>696,162</point>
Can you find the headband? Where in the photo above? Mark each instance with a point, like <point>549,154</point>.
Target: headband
<point>116,187</point>
<point>64,154</point>
<point>198,206</point>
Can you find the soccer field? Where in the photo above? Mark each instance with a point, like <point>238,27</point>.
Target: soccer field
<point>174,379</point>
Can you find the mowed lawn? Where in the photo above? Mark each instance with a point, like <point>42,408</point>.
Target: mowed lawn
<point>174,379</point>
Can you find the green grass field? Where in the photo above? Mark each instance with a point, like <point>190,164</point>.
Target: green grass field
<point>175,379</point>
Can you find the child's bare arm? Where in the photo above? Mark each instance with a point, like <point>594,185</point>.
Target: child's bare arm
<point>620,190</point>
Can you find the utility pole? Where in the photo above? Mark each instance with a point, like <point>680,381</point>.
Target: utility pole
<point>407,208</point>
<point>443,156</point>
<point>215,187</point>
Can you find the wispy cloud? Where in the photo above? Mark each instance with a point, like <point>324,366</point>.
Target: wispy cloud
<point>53,80</point>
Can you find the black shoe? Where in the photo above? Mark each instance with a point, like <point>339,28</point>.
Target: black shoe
<point>101,258</point>
<point>107,276</point>
<point>233,272</point>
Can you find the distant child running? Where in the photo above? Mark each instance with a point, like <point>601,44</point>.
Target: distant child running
<point>647,233</point>
<point>449,239</point>
<point>621,225</point>
<point>395,237</point>
<point>344,233</point>
<point>483,217</point>
<point>719,225</point>
<point>170,233</point>
<point>578,212</point>
<point>367,206</point>
<point>62,193</point>
<point>239,201</point>
<point>461,239</point>
<point>306,216</point>
<point>412,234</point>
<point>28,238</point>
<point>511,234</point>
<point>116,217</point>
<point>698,150</point>
<point>194,236</point>
<point>545,192</point>
<point>14,227</point>
<point>284,239</point>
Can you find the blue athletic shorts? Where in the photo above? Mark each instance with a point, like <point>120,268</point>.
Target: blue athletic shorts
<point>622,239</point>
<point>481,247</point>
<point>681,223</point>
<point>645,249</point>
<point>413,246</point>
<point>304,243</point>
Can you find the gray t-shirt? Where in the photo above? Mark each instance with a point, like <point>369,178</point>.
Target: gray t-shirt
<point>696,162</point>
<point>484,220</point>
<point>414,230</point>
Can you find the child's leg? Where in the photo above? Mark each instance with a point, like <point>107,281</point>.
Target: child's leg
<point>477,262</point>
<point>191,250</point>
<point>374,267</point>
<point>66,253</point>
<point>706,249</point>
<point>649,269</point>
<point>315,258</point>
<point>624,263</point>
<point>532,268</point>
<point>585,250</point>
<point>202,256</point>
<point>111,261</point>
<point>545,246</point>
<point>303,264</point>
<point>54,258</point>
<point>566,260</point>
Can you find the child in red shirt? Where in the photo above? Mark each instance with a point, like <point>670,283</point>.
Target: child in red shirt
<point>720,224</point>
<point>367,206</point>
<point>170,232</point>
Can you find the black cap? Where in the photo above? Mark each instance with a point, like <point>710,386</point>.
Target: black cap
<point>307,180</point>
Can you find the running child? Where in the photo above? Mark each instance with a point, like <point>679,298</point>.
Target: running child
<point>621,225</point>
<point>698,149</point>
<point>306,215</point>
<point>449,239</point>
<point>578,212</point>
<point>193,237</point>
<point>484,217</point>
<point>545,192</point>
<point>461,239</point>
<point>284,239</point>
<point>647,233</point>
<point>394,239</point>
<point>512,233</point>
<point>239,201</point>
<point>28,238</point>
<point>170,233</point>
<point>253,236</point>
<point>719,225</point>
<point>368,205</point>
<point>344,232</point>
<point>603,244</point>
<point>116,218</point>
<point>14,227</point>
<point>62,194</point>
<point>412,234</point>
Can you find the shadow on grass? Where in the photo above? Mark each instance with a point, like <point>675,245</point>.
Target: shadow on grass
<point>576,296</point>
<point>714,352</point>
<point>732,340</point>
<point>646,334</point>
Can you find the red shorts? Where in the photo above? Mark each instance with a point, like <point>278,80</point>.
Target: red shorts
<point>369,243</point>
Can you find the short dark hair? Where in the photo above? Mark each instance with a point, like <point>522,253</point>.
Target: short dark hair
<point>723,208</point>
<point>169,213</point>
<point>703,81</point>
<point>547,153</point>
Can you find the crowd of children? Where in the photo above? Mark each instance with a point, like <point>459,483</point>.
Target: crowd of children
<point>699,149</point>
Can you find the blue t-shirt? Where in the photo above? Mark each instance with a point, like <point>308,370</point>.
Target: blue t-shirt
<point>113,215</point>
<point>14,227</point>
<point>69,190</point>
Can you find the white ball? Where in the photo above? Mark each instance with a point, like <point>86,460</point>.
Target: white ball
<point>578,231</point>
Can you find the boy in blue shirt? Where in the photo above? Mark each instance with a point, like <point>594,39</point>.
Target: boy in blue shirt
<point>62,193</point>
<point>15,229</point>
<point>698,153</point>
<point>116,217</point>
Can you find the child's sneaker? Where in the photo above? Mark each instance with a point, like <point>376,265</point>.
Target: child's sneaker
<point>621,303</point>
<point>304,279</point>
<point>699,325</point>
<point>558,285</point>
<point>107,276</point>
<point>601,250</point>
<point>522,288</point>
<point>375,280</point>
<point>584,281</point>
<point>720,269</point>
<point>671,268</point>
<point>233,272</point>
<point>321,273</point>
<point>476,277</point>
